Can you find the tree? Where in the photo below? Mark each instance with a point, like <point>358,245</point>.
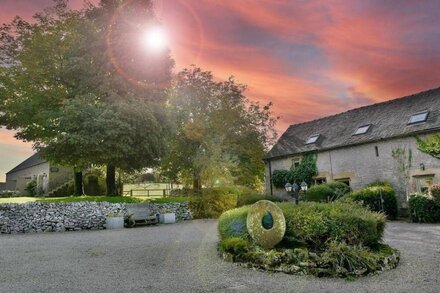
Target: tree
<point>430,145</point>
<point>79,85</point>
<point>219,134</point>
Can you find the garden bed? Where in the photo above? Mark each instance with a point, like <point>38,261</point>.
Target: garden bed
<point>335,240</point>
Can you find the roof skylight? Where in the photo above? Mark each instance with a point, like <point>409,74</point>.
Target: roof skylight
<point>362,129</point>
<point>312,139</point>
<point>419,117</point>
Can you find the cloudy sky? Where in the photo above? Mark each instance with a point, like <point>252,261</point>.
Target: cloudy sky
<point>310,58</point>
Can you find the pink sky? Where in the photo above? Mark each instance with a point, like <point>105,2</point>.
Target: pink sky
<point>310,58</point>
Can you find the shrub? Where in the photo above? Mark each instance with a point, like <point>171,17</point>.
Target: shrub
<point>31,187</point>
<point>423,209</point>
<point>372,196</point>
<point>319,193</point>
<point>233,223</point>
<point>435,192</point>
<point>380,183</point>
<point>248,199</point>
<point>234,245</point>
<point>213,202</point>
<point>339,189</point>
<point>315,224</point>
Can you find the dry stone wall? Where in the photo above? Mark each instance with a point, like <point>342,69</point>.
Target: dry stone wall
<point>59,217</point>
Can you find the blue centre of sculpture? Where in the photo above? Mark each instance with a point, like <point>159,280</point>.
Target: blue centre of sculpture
<point>267,221</point>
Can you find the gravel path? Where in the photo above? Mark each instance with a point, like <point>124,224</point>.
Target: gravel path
<point>182,258</point>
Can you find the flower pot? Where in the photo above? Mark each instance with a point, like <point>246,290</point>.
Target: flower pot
<point>167,218</point>
<point>114,222</point>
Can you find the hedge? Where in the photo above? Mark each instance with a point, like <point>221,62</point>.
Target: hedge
<point>327,191</point>
<point>423,209</point>
<point>315,224</point>
<point>372,196</point>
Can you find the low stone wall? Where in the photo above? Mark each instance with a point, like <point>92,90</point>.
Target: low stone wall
<point>59,217</point>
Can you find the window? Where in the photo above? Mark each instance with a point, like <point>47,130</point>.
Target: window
<point>312,139</point>
<point>362,129</point>
<point>344,180</point>
<point>419,117</point>
<point>296,162</point>
<point>423,183</point>
<point>320,180</point>
<point>377,151</point>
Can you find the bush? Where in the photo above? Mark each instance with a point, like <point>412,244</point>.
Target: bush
<point>339,189</point>
<point>31,188</point>
<point>319,193</point>
<point>280,177</point>
<point>251,198</point>
<point>371,196</point>
<point>234,245</point>
<point>423,209</point>
<point>435,192</point>
<point>315,224</point>
<point>213,202</point>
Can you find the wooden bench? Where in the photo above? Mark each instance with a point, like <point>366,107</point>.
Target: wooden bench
<point>140,214</point>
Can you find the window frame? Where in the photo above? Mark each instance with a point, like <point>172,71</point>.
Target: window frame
<point>368,126</point>
<point>426,113</point>
<point>312,139</point>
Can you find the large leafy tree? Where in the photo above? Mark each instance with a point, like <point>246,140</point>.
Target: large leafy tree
<point>79,85</point>
<point>219,134</point>
<point>430,145</point>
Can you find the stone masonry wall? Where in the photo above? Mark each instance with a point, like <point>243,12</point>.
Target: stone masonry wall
<point>59,217</point>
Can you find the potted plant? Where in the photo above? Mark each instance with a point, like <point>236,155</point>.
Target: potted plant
<point>114,220</point>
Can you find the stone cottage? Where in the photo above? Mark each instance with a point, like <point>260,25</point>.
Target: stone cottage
<point>47,176</point>
<point>366,144</point>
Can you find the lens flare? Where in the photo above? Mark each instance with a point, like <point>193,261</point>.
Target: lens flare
<point>155,39</point>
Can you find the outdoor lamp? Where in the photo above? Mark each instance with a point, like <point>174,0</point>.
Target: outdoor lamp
<point>288,187</point>
<point>292,189</point>
<point>304,186</point>
<point>422,166</point>
<point>295,186</point>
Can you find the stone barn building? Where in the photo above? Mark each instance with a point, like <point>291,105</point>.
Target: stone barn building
<point>357,146</point>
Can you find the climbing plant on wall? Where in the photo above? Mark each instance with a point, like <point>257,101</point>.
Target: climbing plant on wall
<point>303,172</point>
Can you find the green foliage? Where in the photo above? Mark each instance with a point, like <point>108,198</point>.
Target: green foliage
<point>219,135</point>
<point>339,189</point>
<point>371,197</point>
<point>317,224</point>
<point>423,209</point>
<point>435,192</point>
<point>31,188</point>
<point>251,198</point>
<point>303,172</point>
<point>234,245</point>
<point>233,223</point>
<point>280,178</point>
<point>319,193</point>
<point>212,203</point>
<point>342,259</point>
<point>431,145</point>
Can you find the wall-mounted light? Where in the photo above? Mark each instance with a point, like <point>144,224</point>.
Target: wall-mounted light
<point>422,166</point>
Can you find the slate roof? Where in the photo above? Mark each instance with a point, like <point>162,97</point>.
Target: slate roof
<point>33,160</point>
<point>388,120</point>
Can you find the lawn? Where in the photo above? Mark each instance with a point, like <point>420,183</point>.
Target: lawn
<point>112,199</point>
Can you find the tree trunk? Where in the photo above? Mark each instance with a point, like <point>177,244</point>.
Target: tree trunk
<point>78,186</point>
<point>197,186</point>
<point>110,180</point>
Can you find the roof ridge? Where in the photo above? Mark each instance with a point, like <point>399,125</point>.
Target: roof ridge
<point>367,106</point>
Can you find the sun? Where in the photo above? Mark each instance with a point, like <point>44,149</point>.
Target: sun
<point>155,39</point>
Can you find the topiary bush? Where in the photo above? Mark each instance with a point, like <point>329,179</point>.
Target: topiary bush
<point>322,239</point>
<point>339,189</point>
<point>372,196</point>
<point>423,209</point>
<point>319,193</point>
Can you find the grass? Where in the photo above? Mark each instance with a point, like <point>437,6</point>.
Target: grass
<point>111,199</point>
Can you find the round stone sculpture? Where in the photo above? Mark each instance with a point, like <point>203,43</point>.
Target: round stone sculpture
<point>266,223</point>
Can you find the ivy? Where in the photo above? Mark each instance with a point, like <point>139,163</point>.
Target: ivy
<point>303,172</point>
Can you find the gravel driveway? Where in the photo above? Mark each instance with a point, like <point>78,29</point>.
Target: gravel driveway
<point>182,258</point>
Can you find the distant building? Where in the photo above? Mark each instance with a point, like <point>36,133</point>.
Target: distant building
<point>47,176</point>
<point>357,146</point>
<point>2,186</point>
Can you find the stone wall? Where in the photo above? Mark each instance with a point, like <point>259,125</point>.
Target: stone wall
<point>59,217</point>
